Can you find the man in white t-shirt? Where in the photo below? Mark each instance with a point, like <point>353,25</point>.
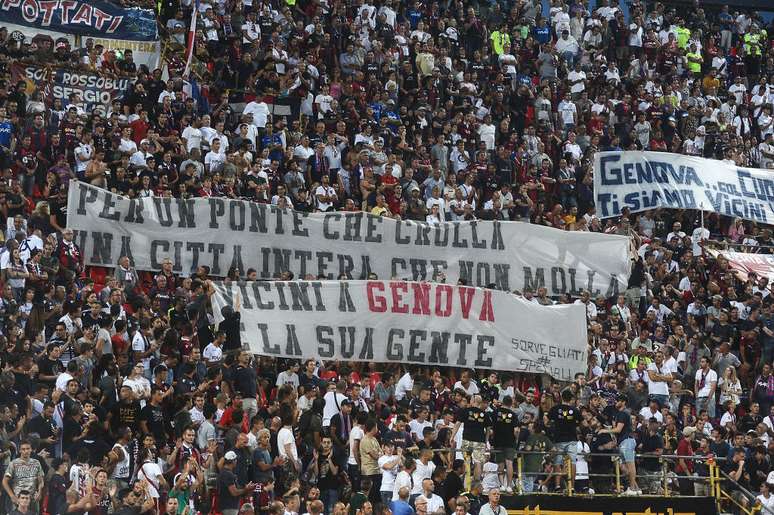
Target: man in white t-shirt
<point>84,153</point>
<point>418,424</point>
<point>577,79</point>
<point>260,112</point>
<point>213,352</point>
<point>466,384</point>
<point>355,437</point>
<point>738,89</point>
<point>323,101</point>
<point>705,386</point>
<point>289,376</point>
<point>333,399</point>
<point>766,148</point>
<point>660,376</point>
<point>192,136</point>
<point>389,463</point>
<point>567,112</point>
<point>652,410</point>
<point>424,470</point>
<point>325,195</point>
<point>404,387</point>
<point>435,504</point>
<point>215,158</point>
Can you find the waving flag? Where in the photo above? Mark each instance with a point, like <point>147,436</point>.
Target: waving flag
<point>191,39</point>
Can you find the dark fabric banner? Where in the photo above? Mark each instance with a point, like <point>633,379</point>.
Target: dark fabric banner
<point>563,505</point>
<point>96,18</point>
<point>94,89</point>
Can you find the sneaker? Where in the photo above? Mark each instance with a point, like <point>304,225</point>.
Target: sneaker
<point>629,491</point>
<point>509,490</point>
<point>503,489</point>
<point>590,491</point>
<point>639,491</point>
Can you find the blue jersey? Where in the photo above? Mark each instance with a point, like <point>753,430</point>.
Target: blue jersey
<point>414,16</point>
<point>273,139</point>
<point>543,34</point>
<point>6,131</point>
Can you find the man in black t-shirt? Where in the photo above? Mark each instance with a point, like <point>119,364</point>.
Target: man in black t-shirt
<point>475,423</point>
<point>228,491</point>
<point>152,417</point>
<point>622,428</point>
<point>50,366</point>
<point>563,419</point>
<point>505,427</point>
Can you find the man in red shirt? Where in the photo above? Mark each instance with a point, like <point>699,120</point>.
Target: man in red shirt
<point>684,466</point>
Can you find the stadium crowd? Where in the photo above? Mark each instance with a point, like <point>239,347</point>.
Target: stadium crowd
<point>118,395</point>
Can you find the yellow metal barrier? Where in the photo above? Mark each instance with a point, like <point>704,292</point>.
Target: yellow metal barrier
<point>721,496</point>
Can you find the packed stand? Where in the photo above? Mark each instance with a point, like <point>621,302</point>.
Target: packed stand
<point>119,395</point>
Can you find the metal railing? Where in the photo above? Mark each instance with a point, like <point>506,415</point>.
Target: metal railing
<point>733,494</point>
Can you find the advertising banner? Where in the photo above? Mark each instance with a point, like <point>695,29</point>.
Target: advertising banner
<point>647,180</point>
<point>407,322</point>
<point>222,233</point>
<point>97,18</point>
<point>95,90</point>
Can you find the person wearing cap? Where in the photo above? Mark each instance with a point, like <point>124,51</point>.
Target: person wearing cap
<point>622,429</point>
<point>684,467</point>
<point>229,493</point>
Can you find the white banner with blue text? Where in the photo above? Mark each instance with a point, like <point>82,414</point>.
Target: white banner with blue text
<point>407,322</point>
<point>641,181</point>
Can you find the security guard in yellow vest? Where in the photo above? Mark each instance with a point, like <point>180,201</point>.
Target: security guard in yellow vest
<point>694,60</point>
<point>500,39</point>
<point>683,35</point>
<point>752,44</point>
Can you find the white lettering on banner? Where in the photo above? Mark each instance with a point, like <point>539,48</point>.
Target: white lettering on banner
<point>223,233</point>
<point>59,83</point>
<point>407,322</point>
<point>70,12</point>
<point>648,180</point>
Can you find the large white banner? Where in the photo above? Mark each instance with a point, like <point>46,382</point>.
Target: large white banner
<point>407,322</point>
<point>223,233</point>
<point>745,264</point>
<point>648,180</point>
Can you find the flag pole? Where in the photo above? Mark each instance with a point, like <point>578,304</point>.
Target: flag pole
<point>191,39</point>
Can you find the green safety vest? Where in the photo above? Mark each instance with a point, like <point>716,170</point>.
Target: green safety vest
<point>499,40</point>
<point>683,35</point>
<point>692,66</point>
<point>752,43</point>
<point>635,359</point>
